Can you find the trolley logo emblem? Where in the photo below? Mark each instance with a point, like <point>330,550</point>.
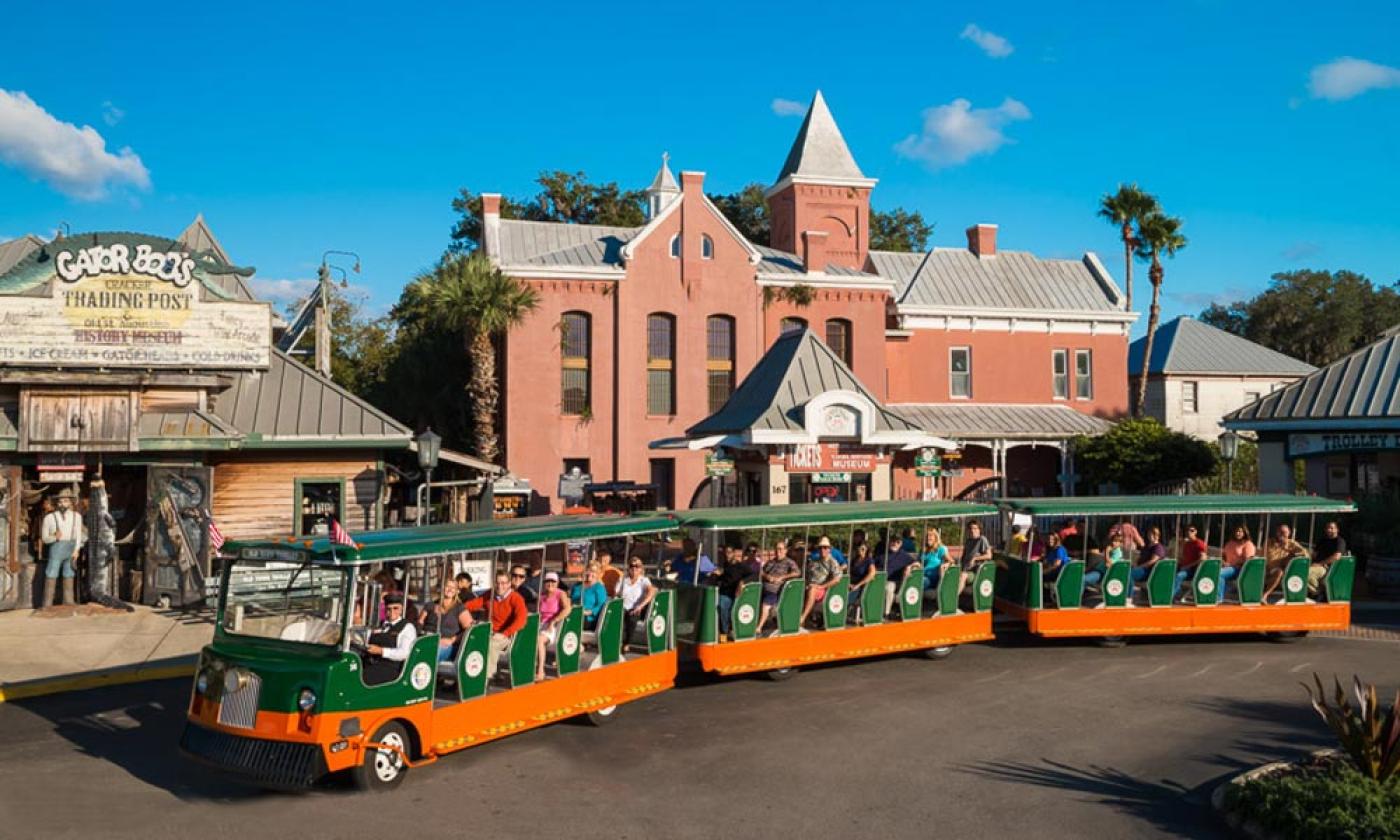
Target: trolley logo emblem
<point>1206,586</point>
<point>1295,584</point>
<point>911,596</point>
<point>835,603</point>
<point>1115,588</point>
<point>569,644</point>
<point>985,589</point>
<point>476,663</point>
<point>421,676</point>
<point>746,615</point>
<point>658,626</point>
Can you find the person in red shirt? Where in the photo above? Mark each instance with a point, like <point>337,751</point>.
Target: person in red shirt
<point>1193,551</point>
<point>508,614</point>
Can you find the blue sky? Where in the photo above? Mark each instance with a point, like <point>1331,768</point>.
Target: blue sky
<point>294,130</point>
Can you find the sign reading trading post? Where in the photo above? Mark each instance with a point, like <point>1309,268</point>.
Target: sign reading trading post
<point>127,304</point>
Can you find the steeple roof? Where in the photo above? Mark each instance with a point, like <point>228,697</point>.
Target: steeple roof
<point>819,154</point>
<point>664,180</point>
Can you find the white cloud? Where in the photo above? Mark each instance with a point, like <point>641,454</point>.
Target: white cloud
<point>72,160</point>
<point>991,43</point>
<point>111,114</point>
<point>282,292</point>
<point>954,133</point>
<point>788,108</point>
<point>1301,251</point>
<point>1346,77</point>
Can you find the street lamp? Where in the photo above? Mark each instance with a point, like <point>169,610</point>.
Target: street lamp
<point>429,445</point>
<point>1229,448</point>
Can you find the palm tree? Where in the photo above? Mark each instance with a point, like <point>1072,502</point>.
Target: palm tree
<point>466,294</point>
<point>1125,208</point>
<point>1158,234</point>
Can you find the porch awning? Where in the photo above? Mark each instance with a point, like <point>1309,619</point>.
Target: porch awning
<point>183,431</point>
<point>1006,422</point>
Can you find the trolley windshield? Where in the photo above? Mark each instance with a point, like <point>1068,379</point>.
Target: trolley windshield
<point>292,602</point>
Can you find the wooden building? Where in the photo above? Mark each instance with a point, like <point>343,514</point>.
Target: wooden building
<point>149,364</point>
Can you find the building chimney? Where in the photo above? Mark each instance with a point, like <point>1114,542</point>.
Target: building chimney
<point>814,251</point>
<point>982,240</point>
<point>491,224</point>
<point>693,183</point>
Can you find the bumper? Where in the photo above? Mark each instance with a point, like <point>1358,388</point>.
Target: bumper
<point>280,764</point>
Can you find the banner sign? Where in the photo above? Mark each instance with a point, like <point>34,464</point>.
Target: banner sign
<point>831,457</point>
<point>718,465</point>
<point>128,305</point>
<point>1305,445</point>
<point>927,464</point>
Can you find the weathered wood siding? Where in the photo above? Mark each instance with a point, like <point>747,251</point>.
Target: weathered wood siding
<point>254,494</point>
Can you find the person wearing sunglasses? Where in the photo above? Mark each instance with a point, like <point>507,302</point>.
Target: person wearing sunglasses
<point>518,576</point>
<point>637,593</point>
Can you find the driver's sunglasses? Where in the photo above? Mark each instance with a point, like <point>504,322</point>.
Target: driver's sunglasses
<point>634,565</point>
<point>517,575</point>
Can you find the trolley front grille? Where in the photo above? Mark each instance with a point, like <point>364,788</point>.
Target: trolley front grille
<point>276,763</point>
<point>240,707</point>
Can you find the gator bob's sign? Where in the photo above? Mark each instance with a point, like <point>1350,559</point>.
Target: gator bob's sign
<point>138,303</point>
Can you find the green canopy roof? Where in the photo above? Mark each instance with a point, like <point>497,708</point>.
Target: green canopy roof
<point>849,513</point>
<point>1110,505</point>
<point>400,543</point>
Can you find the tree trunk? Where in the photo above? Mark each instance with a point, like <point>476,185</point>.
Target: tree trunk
<point>1154,312</point>
<point>484,393</point>
<point>1127,234</point>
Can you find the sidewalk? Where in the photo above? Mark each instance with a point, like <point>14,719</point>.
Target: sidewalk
<point>73,648</point>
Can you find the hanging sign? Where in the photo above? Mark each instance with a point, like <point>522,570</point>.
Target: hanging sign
<point>927,464</point>
<point>717,465</point>
<point>831,477</point>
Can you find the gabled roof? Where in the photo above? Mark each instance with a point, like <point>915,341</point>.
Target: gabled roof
<point>776,262</point>
<point>1359,390</point>
<point>198,237</point>
<point>819,153</point>
<point>772,398</point>
<point>957,278</point>
<point>979,421</point>
<point>290,403</point>
<point>1185,345</point>
<point>17,249</point>
<point>563,245</point>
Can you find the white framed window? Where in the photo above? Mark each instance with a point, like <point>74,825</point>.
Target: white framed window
<point>1059,373</point>
<point>1188,397</point>
<point>707,247</point>
<point>676,247</point>
<point>1083,374</point>
<point>960,372</point>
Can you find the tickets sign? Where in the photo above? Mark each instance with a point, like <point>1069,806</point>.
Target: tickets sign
<point>832,457</point>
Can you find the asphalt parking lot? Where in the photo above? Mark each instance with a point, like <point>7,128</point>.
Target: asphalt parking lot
<point>1020,736</point>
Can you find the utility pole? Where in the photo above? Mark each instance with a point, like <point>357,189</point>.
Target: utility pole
<point>323,321</point>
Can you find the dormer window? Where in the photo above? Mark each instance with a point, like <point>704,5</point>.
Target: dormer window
<point>676,247</point>
<point>707,248</point>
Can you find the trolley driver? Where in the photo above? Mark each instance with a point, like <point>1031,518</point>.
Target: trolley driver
<point>390,644</point>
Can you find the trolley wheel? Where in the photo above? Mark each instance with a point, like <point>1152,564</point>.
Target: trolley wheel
<point>602,716</point>
<point>383,770</point>
<point>1113,641</point>
<point>780,674</point>
<point>1286,636</point>
<point>940,652</point>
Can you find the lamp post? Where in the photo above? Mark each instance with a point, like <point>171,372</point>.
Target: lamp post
<point>429,444</point>
<point>323,311</point>
<point>1229,448</point>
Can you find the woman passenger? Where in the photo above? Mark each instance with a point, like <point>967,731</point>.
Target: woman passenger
<point>554,608</point>
<point>934,558</point>
<point>448,618</point>
<point>1055,558</point>
<point>590,595</point>
<point>1152,551</point>
<point>1233,556</point>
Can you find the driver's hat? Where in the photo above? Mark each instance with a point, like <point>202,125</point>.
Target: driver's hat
<point>393,598</point>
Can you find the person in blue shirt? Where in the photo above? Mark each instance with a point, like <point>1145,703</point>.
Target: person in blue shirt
<point>1054,559</point>
<point>896,564</point>
<point>934,558</point>
<point>686,565</point>
<point>590,596</point>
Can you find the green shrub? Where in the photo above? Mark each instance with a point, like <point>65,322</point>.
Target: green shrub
<point>1321,804</point>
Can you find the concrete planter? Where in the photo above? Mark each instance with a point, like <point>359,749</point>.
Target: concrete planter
<point>1243,825</point>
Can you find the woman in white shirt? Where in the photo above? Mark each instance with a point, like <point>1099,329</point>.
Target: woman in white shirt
<point>636,591</point>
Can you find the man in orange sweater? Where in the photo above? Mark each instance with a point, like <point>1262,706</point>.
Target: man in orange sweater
<point>507,612</point>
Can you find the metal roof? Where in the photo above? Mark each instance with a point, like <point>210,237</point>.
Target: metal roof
<point>847,513</point>
<point>664,180</point>
<point>562,244</point>
<point>1203,505</point>
<point>1185,345</point>
<point>956,277</point>
<point>979,420</point>
<point>819,151</point>
<point>798,367</point>
<point>17,249</point>
<point>290,403</point>
<point>198,237</point>
<point>487,535</point>
<point>184,430</point>
<point>1361,389</point>
<point>782,262</point>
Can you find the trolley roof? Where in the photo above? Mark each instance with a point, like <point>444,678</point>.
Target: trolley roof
<point>843,513</point>
<point>1203,505</point>
<point>398,543</point>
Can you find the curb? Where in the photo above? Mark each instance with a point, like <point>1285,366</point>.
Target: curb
<point>164,669</point>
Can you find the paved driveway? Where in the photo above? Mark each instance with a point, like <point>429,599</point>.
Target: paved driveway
<point>1021,737</point>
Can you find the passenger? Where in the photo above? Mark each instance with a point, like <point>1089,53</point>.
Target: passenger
<point>637,592</point>
<point>863,569</point>
<point>518,579</point>
<point>907,543</point>
<point>1096,567</point>
<point>1278,550</point>
<point>1068,529</point>
<point>1016,543</point>
<point>1151,552</point>
<point>1115,549</point>
<point>508,614</point>
<point>555,606</point>
<point>1132,538</point>
<point>1326,551</point>
<point>976,551</point>
<point>693,565</point>
<point>466,589</point>
<point>823,572</point>
<point>1193,551</point>
<point>590,596</point>
<point>1233,556</point>
<point>736,572</point>
<point>448,618</point>
<point>390,644</point>
<point>935,558</point>
<point>776,572</point>
<point>896,567</point>
<point>1054,560</point>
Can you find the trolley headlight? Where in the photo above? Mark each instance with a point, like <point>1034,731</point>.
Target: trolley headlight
<point>306,699</point>
<point>201,683</point>
<point>234,679</point>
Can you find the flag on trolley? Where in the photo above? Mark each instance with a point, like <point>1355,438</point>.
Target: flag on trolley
<point>340,536</point>
<point>216,537</point>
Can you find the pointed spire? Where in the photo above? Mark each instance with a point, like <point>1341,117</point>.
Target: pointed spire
<point>819,154</point>
<point>663,189</point>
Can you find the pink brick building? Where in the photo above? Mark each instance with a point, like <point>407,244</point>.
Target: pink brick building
<point>643,332</point>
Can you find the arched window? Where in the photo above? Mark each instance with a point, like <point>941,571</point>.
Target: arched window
<point>575,344</point>
<point>719,359</point>
<point>791,324</point>
<point>707,247</point>
<point>676,246</point>
<point>838,338</point>
<point>661,364</point>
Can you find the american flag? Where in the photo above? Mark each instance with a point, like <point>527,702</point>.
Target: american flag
<point>216,537</point>
<point>339,535</point>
